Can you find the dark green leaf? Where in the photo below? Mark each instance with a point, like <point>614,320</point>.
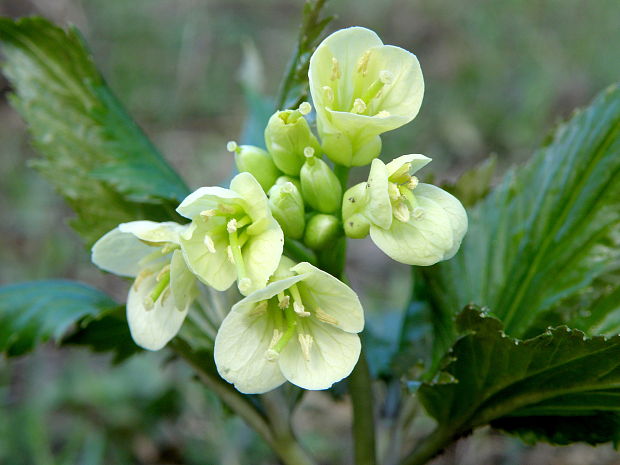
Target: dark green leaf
<point>493,378</point>
<point>92,152</point>
<point>35,312</point>
<point>106,332</point>
<point>474,185</point>
<point>548,234</point>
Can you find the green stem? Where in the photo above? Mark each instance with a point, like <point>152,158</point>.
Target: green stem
<point>342,173</point>
<point>276,432</point>
<point>429,448</point>
<point>360,389</point>
<point>297,251</point>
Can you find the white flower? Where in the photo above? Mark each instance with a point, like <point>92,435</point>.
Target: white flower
<point>412,222</point>
<point>301,328</point>
<point>233,235</point>
<point>163,289</point>
<point>361,88</point>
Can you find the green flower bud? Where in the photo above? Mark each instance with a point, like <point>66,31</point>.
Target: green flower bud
<point>287,135</point>
<point>287,207</point>
<point>255,161</point>
<point>319,185</point>
<point>354,203</point>
<point>349,151</point>
<point>321,231</point>
<point>285,179</point>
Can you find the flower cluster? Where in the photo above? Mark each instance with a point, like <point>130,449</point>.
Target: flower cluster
<point>295,321</point>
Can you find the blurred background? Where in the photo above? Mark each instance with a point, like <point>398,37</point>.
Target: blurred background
<point>499,76</point>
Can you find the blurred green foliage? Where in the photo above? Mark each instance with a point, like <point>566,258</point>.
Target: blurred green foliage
<point>499,75</point>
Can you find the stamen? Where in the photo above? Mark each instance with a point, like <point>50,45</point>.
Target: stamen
<point>163,280</point>
<point>362,64</point>
<point>413,183</point>
<point>280,342</point>
<point>386,77</point>
<point>229,253</point>
<point>393,191</point>
<point>418,213</point>
<point>237,256</point>
<point>329,93</point>
<point>209,244</point>
<point>401,212</point>
<point>324,317</point>
<point>305,108</point>
<point>300,309</point>
<point>283,300</point>
<point>227,209</point>
<point>169,247</point>
<point>305,341</point>
<point>271,354</point>
<point>383,114</point>
<point>335,70</point>
<point>245,284</point>
<point>231,226</point>
<point>259,309</point>
<point>141,277</point>
<point>165,295</point>
<point>232,146</point>
<point>359,106</point>
<point>164,270</point>
<point>206,214</point>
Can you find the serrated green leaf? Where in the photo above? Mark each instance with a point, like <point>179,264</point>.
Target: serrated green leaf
<point>547,234</point>
<point>35,312</point>
<point>560,373</point>
<point>92,152</point>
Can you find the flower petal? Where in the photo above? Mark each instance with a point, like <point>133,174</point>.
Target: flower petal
<point>332,296</point>
<point>248,188</point>
<point>240,348</point>
<point>152,329</point>
<point>331,356</point>
<point>150,231</point>
<point>422,240</point>
<point>120,253</point>
<point>206,198</point>
<point>417,161</point>
<point>212,268</point>
<point>453,207</point>
<point>262,254</point>
<point>379,209</point>
<point>182,281</point>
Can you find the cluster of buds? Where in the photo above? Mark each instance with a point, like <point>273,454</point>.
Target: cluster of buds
<point>295,322</point>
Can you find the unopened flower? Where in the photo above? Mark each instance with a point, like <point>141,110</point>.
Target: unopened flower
<point>362,88</point>
<point>412,222</point>
<point>163,289</point>
<point>233,235</point>
<point>301,328</point>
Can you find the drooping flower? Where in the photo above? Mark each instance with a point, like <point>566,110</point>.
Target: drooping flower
<point>361,88</point>
<point>302,328</point>
<point>232,236</point>
<point>163,289</point>
<point>412,222</point>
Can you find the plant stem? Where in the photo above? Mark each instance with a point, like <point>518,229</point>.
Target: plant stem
<point>342,173</point>
<point>429,448</point>
<point>277,433</point>
<point>360,388</point>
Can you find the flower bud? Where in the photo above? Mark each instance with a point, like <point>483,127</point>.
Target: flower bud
<point>321,231</point>
<point>351,150</point>
<point>319,185</point>
<point>354,203</point>
<point>285,179</point>
<point>287,207</point>
<point>287,135</point>
<point>255,161</point>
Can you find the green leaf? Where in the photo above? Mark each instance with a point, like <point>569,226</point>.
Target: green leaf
<point>474,185</point>
<point>97,158</point>
<point>35,312</point>
<point>493,378</point>
<point>547,235</point>
<point>106,332</point>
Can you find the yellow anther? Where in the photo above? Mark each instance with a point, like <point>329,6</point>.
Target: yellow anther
<point>162,273</point>
<point>383,114</point>
<point>209,244</point>
<point>305,341</point>
<point>324,317</point>
<point>259,309</point>
<point>300,309</point>
<point>329,93</point>
<point>413,183</point>
<point>393,191</point>
<point>141,277</point>
<point>359,106</point>
<point>231,226</point>
<point>335,70</point>
<point>386,77</point>
<point>305,108</point>
<point>362,64</point>
<point>401,212</point>
<point>208,213</point>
